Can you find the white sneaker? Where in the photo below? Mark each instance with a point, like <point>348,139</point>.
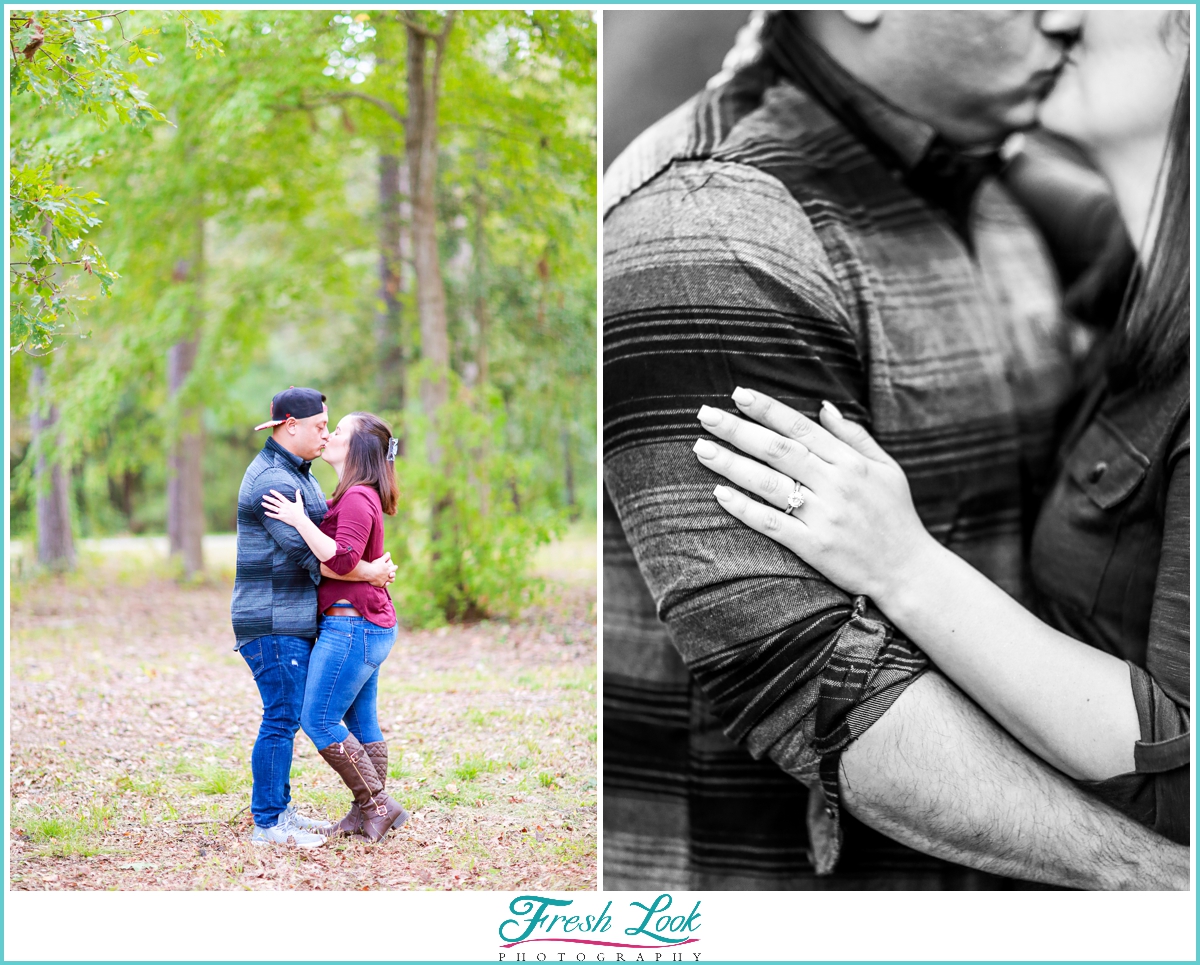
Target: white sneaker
<point>306,824</point>
<point>286,831</point>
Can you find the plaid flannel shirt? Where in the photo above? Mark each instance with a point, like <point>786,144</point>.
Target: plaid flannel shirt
<point>751,239</point>
<point>275,586</point>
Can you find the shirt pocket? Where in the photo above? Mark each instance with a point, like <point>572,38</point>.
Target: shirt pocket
<point>1081,522</point>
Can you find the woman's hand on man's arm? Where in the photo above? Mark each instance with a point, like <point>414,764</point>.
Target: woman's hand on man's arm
<point>277,506</point>
<point>1069,703</point>
<point>855,521</point>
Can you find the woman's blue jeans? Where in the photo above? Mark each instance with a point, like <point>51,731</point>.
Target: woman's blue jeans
<point>343,679</point>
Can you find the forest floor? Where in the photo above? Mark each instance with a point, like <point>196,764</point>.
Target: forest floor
<point>132,721</point>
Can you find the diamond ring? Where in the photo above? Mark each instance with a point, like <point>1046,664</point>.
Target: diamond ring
<point>795,498</point>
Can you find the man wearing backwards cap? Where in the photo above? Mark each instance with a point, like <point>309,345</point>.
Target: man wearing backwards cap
<point>275,603</point>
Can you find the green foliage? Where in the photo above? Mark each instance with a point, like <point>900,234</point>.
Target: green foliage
<point>61,59</point>
<point>465,533</point>
<point>49,222</point>
<point>234,199</point>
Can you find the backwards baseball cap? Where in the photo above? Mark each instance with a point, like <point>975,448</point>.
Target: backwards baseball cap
<point>294,403</point>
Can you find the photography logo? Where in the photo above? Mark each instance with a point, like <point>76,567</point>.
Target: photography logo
<point>558,930</point>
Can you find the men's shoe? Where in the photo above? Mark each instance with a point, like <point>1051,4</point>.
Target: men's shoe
<point>286,831</point>
<point>306,824</point>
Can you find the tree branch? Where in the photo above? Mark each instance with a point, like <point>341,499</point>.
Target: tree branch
<point>103,16</point>
<point>69,74</point>
<point>438,36</point>
<point>387,107</point>
<point>439,54</point>
<point>419,28</point>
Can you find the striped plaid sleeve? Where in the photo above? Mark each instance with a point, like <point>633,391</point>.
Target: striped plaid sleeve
<point>288,537</point>
<point>714,278</point>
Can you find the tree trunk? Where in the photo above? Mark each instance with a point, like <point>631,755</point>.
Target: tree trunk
<point>420,144</point>
<point>389,346</point>
<point>481,315</point>
<point>185,460</point>
<point>569,473</point>
<point>424,81</point>
<point>55,546</point>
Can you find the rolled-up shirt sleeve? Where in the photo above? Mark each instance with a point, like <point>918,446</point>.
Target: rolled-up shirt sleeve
<point>1158,791</point>
<point>288,538</point>
<point>353,527</point>
<point>715,279</point>
<point>1162,691</point>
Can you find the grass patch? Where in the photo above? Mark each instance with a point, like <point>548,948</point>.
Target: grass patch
<point>469,768</point>
<point>214,778</point>
<point>219,780</point>
<point>64,835</point>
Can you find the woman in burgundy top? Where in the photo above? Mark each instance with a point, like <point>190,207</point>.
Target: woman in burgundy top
<point>357,625</point>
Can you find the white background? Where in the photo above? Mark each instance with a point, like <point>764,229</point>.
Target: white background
<point>403,926</point>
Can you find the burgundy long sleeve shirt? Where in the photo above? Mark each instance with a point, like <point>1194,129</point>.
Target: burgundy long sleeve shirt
<point>355,522</point>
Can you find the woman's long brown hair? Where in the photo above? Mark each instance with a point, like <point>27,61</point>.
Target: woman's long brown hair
<point>1153,344</point>
<point>367,463</point>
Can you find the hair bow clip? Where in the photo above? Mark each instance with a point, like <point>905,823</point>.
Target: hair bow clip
<point>392,445</point>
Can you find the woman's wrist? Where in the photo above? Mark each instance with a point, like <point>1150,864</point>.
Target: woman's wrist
<point>323,547</point>
<point>905,586</point>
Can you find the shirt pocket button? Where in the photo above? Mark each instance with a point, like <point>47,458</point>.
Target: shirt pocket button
<point>1097,471</point>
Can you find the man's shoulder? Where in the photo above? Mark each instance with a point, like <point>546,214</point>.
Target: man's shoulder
<point>671,138</point>
<point>266,471</point>
<point>709,194</point>
<point>258,465</point>
<point>753,111</point>
<point>720,232</point>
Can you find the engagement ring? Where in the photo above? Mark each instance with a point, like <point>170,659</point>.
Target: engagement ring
<point>795,499</point>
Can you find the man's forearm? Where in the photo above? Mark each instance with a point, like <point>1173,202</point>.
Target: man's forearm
<point>1069,703</point>
<point>937,774</point>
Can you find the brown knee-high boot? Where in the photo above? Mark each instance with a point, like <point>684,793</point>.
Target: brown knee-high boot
<point>377,751</point>
<point>378,811</point>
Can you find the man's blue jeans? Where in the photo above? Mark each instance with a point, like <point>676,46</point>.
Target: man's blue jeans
<point>343,679</point>
<point>280,667</point>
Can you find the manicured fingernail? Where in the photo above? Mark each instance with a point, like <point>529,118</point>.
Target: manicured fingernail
<point>710,416</point>
<point>704,449</point>
<point>831,409</point>
<point>723,493</point>
<point>742,396</point>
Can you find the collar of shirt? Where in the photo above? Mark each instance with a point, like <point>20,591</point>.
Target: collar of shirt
<point>944,174</point>
<point>301,465</point>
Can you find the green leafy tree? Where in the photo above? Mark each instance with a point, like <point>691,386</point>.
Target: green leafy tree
<point>61,60</point>
<point>265,234</point>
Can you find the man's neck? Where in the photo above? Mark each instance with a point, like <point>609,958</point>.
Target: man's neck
<point>797,43</point>
<point>892,82</point>
<point>282,441</point>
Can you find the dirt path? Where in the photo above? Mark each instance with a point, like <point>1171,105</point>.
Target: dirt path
<point>133,720</point>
